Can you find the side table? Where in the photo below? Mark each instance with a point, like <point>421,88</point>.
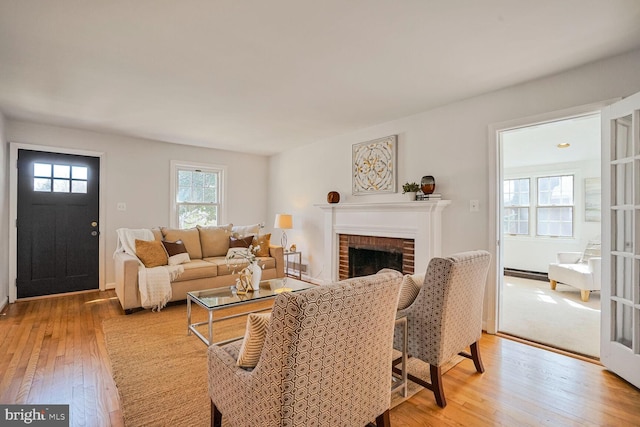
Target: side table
<point>297,272</point>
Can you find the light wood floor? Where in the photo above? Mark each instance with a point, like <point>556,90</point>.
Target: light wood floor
<point>52,351</point>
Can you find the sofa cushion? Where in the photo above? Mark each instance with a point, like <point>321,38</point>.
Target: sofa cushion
<point>197,269</point>
<point>263,241</point>
<point>151,253</point>
<point>245,230</point>
<point>177,252</point>
<point>254,335</point>
<point>189,236</point>
<point>214,240</point>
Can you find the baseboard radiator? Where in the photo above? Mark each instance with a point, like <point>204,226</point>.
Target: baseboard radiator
<point>526,274</point>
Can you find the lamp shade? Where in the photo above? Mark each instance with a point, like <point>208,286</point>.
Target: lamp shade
<point>283,221</point>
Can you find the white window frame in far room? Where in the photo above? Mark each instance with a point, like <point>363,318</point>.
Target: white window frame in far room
<point>176,165</point>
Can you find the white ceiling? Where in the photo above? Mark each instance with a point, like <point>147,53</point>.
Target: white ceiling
<point>538,144</point>
<point>267,76</point>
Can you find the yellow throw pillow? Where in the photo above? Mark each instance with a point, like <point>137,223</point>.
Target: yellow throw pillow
<point>263,241</point>
<point>151,253</point>
<point>251,348</point>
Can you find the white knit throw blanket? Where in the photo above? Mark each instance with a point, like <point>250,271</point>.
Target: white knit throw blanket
<point>154,283</point>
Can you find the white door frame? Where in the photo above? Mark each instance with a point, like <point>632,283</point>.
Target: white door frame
<point>493,297</point>
<point>13,208</point>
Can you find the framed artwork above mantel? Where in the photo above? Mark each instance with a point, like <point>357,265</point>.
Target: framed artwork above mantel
<point>374,166</point>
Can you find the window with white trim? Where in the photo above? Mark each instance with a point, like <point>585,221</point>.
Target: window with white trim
<point>516,206</point>
<point>555,206</point>
<point>197,194</point>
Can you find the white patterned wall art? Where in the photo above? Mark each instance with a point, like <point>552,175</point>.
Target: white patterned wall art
<point>374,166</point>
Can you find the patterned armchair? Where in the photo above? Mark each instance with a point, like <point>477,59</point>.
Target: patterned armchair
<point>325,360</point>
<point>446,316</point>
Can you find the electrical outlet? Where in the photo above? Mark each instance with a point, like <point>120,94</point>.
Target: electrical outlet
<point>474,206</point>
<point>121,206</point>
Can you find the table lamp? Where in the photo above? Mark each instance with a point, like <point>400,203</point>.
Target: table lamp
<point>284,222</point>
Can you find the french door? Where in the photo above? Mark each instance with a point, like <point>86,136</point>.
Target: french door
<point>620,294</point>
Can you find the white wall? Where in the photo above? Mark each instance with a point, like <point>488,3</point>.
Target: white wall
<point>535,253</point>
<point>4,211</point>
<point>450,143</point>
<point>137,172</point>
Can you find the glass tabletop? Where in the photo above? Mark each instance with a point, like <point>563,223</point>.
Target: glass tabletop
<point>221,297</point>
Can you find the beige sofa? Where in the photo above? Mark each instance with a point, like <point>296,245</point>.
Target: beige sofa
<point>207,268</point>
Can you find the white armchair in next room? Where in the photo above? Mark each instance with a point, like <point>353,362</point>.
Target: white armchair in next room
<point>577,269</point>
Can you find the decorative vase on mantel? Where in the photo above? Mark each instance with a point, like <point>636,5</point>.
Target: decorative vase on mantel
<point>428,184</point>
<point>256,275</point>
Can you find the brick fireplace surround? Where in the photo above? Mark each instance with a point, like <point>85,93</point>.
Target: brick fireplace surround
<point>417,222</point>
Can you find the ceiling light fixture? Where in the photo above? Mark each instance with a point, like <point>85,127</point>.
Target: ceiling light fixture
<point>564,145</point>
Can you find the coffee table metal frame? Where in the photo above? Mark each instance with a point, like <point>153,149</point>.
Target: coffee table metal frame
<point>269,289</point>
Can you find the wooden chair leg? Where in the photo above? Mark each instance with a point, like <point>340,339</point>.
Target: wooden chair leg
<point>383,420</point>
<point>553,284</point>
<point>436,384</point>
<point>475,356</point>
<point>216,416</point>
<point>584,295</point>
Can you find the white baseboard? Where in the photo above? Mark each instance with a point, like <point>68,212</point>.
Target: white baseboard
<point>4,303</point>
<point>111,285</point>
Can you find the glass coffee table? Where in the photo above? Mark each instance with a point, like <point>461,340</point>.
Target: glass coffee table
<point>216,299</point>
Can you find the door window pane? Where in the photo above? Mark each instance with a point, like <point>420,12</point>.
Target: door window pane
<point>78,186</point>
<point>42,184</point>
<point>79,172</point>
<point>60,185</point>
<point>42,169</point>
<point>623,315</point>
<point>61,171</point>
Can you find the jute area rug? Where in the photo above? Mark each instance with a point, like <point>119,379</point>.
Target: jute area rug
<point>161,372</point>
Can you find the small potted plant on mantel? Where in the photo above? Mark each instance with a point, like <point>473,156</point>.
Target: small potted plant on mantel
<point>410,188</point>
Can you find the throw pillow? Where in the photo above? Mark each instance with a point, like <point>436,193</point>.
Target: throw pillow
<point>214,240</point>
<point>151,253</point>
<point>254,335</point>
<point>177,252</point>
<point>189,236</point>
<point>593,250</point>
<point>243,242</point>
<point>263,242</point>
<point>409,289</point>
<point>245,230</point>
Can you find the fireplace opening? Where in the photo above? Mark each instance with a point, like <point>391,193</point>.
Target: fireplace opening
<point>363,262</point>
<point>364,255</point>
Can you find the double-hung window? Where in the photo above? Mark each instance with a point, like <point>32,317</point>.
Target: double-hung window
<point>516,206</point>
<point>197,194</point>
<point>555,206</point>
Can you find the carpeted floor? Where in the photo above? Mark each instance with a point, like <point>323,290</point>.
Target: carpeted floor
<point>531,310</point>
<point>160,371</point>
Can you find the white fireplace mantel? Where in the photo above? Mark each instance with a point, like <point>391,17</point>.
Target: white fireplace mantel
<point>420,221</point>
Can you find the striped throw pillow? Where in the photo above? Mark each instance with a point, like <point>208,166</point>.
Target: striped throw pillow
<point>254,335</point>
